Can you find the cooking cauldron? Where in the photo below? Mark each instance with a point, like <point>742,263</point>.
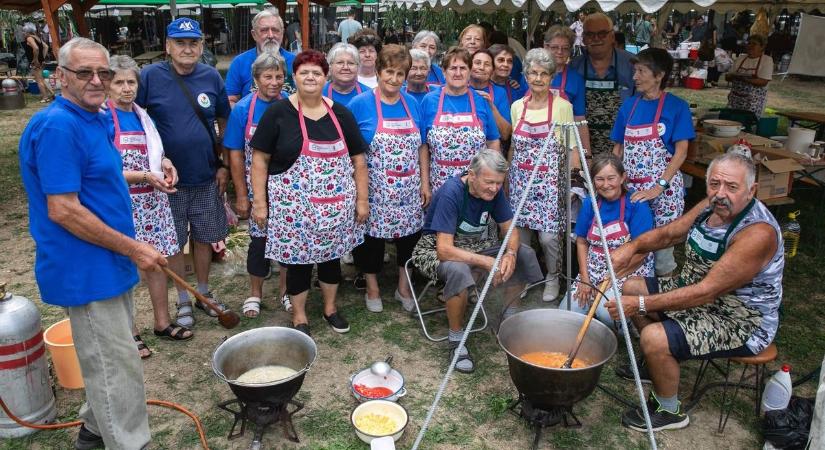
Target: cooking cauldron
<point>262,347</point>
<point>553,330</point>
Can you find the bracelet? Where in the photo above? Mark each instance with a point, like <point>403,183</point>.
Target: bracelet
<point>511,253</point>
<point>145,177</point>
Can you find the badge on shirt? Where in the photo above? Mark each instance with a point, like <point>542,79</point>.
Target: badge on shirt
<point>661,128</point>
<point>204,101</point>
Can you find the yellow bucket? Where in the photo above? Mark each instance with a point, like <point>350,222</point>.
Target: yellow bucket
<point>59,341</point>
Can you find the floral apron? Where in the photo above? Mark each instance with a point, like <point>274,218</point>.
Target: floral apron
<point>728,322</point>
<point>314,203</point>
<point>602,102</point>
<point>151,212</point>
<point>559,91</point>
<point>473,236</point>
<point>395,181</point>
<point>542,209</point>
<point>645,159</point>
<point>746,96</point>
<point>453,139</point>
<point>254,229</point>
<point>617,234</point>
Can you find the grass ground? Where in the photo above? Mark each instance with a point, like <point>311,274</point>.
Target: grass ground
<point>473,413</point>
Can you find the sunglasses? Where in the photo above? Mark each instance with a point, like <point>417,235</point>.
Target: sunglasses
<point>86,74</point>
<point>600,34</point>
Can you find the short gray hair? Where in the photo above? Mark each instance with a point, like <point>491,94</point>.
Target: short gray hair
<point>541,58</point>
<point>489,158</point>
<point>742,160</point>
<point>426,34</point>
<point>598,16</point>
<point>65,52</point>
<point>266,61</point>
<point>420,55</point>
<point>560,31</point>
<point>267,12</point>
<point>343,47</point>
<point>120,63</point>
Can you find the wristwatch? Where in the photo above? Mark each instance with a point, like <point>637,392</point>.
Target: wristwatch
<point>642,310</point>
<point>663,183</point>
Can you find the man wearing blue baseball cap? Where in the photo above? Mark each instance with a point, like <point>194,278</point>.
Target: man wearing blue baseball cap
<point>268,33</point>
<point>185,99</point>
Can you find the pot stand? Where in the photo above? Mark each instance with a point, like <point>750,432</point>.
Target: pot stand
<point>542,418</point>
<point>262,414</point>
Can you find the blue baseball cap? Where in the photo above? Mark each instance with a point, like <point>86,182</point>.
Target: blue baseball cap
<point>184,28</point>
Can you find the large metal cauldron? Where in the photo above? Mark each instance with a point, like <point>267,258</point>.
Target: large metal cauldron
<point>553,330</point>
<point>262,347</point>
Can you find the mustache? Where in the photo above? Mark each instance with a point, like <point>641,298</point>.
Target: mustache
<point>720,201</point>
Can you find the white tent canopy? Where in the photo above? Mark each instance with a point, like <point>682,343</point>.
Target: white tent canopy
<point>648,6</point>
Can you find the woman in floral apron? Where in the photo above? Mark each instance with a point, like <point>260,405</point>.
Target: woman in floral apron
<point>502,69</point>
<point>390,121</point>
<point>750,77</point>
<point>458,122</point>
<point>268,71</point>
<point>567,84</point>
<point>623,220</point>
<point>543,212</point>
<point>652,131</point>
<point>151,177</point>
<point>343,83</point>
<point>309,183</point>
<point>417,86</point>
<point>428,42</point>
<point>481,72</point>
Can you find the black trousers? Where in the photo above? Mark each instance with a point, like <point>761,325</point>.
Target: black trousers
<point>299,276</point>
<point>369,256</point>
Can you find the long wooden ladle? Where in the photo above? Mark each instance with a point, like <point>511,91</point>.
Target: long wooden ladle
<point>583,331</point>
<point>228,319</point>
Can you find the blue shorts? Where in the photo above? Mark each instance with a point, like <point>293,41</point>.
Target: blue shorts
<point>676,341</point>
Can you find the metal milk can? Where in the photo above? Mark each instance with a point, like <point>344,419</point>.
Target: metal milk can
<point>25,385</point>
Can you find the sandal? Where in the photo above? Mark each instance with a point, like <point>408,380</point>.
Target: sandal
<point>175,333</point>
<point>252,307</point>
<point>141,346</point>
<point>185,318</point>
<point>465,356</point>
<point>209,312</point>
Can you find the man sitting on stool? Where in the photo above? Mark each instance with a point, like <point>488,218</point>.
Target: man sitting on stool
<point>724,303</point>
<point>455,241</point>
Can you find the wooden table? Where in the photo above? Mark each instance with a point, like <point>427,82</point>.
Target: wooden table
<point>809,119</point>
<point>149,57</point>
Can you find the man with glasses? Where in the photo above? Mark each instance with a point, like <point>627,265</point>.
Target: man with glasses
<point>80,217</point>
<point>185,99</point>
<point>608,75</point>
<point>268,33</point>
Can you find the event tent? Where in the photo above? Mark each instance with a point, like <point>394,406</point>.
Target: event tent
<point>648,6</point>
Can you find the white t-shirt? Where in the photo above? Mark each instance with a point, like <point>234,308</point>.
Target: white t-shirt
<point>370,82</point>
<point>578,28</point>
<point>746,66</point>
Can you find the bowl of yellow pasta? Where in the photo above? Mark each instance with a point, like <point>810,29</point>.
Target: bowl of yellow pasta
<point>378,418</point>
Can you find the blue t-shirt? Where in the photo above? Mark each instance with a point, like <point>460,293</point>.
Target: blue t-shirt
<point>239,77</point>
<point>512,93</point>
<point>620,69</point>
<point>363,108</point>
<point>66,149</point>
<point>128,120</point>
<point>419,96</point>
<point>233,137</point>
<point>675,123</point>
<point>573,88</point>
<point>445,211</point>
<point>344,99</point>
<point>638,216</point>
<point>459,104</point>
<point>499,99</point>
<point>185,140</point>
<point>517,72</point>
<point>436,75</point>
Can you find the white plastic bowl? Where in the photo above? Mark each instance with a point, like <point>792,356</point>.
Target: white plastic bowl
<point>383,407</point>
<point>394,381</point>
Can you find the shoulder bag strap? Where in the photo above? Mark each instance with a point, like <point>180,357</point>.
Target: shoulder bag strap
<point>198,111</point>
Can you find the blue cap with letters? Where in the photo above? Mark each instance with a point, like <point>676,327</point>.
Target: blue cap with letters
<point>184,28</point>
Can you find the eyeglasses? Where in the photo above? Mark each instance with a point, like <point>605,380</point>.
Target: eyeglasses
<point>87,75</point>
<point>556,48</point>
<point>600,34</point>
<point>532,74</point>
<point>344,64</point>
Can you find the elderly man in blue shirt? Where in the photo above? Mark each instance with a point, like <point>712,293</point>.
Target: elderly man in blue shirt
<point>268,33</point>
<point>80,217</point>
<point>608,75</point>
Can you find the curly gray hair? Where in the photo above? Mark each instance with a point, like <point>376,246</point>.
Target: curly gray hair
<point>491,159</point>
<point>420,55</point>
<point>266,61</point>
<point>539,57</point>
<point>426,34</point>
<point>343,47</point>
<point>124,63</point>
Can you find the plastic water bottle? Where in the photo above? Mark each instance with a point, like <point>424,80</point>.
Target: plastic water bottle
<point>778,390</point>
<point>790,234</point>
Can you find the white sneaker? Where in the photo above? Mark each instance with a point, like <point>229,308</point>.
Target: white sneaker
<point>407,303</point>
<point>551,289</point>
<point>347,258</point>
<point>286,303</point>
<point>374,304</point>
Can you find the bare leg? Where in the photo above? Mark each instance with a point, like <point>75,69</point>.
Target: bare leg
<point>203,261</point>
<point>403,284</point>
<point>282,282</point>
<point>256,286</point>
<point>159,294</point>
<point>177,266</point>
<point>663,367</point>
<point>373,291</point>
<point>456,306</point>
<point>328,291</point>
<point>299,312</point>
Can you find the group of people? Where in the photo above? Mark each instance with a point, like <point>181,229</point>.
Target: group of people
<point>379,144</point>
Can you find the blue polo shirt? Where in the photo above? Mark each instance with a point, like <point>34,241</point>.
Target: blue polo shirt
<point>344,99</point>
<point>573,88</point>
<point>66,149</point>
<point>239,77</point>
<point>436,75</point>
<point>185,140</point>
<point>233,137</point>
<point>621,69</point>
<point>637,216</point>
<point>675,123</point>
<point>363,108</point>
<point>459,104</point>
<point>446,208</point>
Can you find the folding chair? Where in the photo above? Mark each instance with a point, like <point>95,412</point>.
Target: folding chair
<point>408,267</point>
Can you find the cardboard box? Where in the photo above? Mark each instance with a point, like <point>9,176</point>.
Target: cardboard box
<point>775,177</point>
<point>188,261</point>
